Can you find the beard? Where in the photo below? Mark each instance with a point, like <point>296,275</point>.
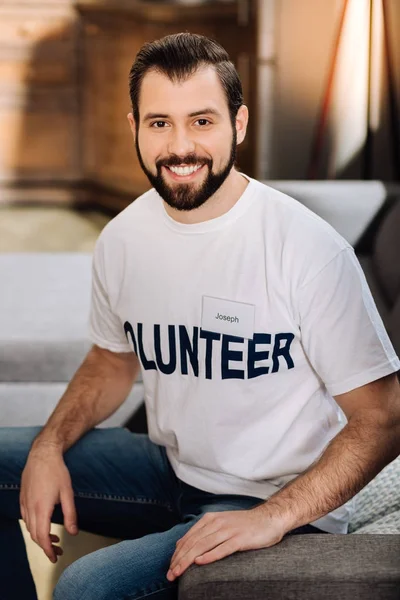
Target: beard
<point>187,196</point>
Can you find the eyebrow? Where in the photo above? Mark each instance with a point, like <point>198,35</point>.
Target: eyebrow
<point>196,113</point>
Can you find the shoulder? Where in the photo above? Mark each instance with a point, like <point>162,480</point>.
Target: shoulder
<point>305,241</point>
<point>130,220</point>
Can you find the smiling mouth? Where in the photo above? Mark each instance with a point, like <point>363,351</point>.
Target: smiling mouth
<point>183,171</point>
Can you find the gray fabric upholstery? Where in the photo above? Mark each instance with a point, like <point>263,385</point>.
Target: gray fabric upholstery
<point>44,310</point>
<point>25,404</point>
<point>349,206</point>
<point>302,567</point>
<point>386,254</point>
<point>41,360</point>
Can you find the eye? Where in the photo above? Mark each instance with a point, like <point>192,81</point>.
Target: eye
<point>203,122</point>
<point>158,124</point>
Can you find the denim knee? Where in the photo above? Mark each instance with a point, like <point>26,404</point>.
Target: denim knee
<point>128,569</point>
<point>68,585</point>
<point>78,582</point>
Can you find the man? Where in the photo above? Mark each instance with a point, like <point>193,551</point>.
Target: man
<point>269,379</point>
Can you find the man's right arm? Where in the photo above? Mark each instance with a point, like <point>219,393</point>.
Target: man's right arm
<point>98,388</point>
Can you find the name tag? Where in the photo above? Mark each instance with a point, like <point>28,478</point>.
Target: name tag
<point>225,316</point>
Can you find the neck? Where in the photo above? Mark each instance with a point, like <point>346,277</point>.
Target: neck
<point>217,205</point>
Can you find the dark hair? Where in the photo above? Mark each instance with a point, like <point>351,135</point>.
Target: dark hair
<point>179,56</point>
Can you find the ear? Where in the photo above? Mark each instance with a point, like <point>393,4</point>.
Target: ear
<point>242,119</point>
<point>132,125</point>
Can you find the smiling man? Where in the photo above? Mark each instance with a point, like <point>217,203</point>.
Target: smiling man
<point>269,378</point>
<point>209,151</point>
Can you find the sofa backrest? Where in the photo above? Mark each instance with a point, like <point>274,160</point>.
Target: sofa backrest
<point>386,254</point>
<point>349,206</point>
<point>393,326</point>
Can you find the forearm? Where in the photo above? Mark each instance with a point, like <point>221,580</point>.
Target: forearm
<point>97,389</point>
<point>354,457</point>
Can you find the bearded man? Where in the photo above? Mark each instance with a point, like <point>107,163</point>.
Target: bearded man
<point>270,386</point>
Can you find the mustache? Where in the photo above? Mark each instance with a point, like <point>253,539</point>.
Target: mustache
<point>189,160</point>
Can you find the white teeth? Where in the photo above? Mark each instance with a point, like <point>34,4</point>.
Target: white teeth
<point>184,170</point>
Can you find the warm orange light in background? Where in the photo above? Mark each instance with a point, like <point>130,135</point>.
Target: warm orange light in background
<point>377,65</point>
<point>349,110</point>
<point>349,101</point>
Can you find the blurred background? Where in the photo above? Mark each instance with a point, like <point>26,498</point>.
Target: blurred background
<point>321,79</point>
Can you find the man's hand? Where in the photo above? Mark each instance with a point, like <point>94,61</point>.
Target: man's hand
<point>219,534</point>
<point>46,482</point>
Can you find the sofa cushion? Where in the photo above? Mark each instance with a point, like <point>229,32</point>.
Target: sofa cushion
<point>349,206</point>
<point>44,310</point>
<point>302,567</point>
<point>40,360</point>
<point>31,404</point>
<point>386,253</point>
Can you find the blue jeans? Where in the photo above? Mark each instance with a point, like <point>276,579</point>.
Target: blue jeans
<point>124,487</point>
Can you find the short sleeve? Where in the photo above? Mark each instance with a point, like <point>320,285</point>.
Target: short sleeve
<point>341,330</point>
<point>105,327</point>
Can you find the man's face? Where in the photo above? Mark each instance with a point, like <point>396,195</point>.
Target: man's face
<point>185,143</point>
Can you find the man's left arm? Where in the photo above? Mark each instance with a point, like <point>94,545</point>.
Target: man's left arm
<point>346,343</point>
<point>369,441</point>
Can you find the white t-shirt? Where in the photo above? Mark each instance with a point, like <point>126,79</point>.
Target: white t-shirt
<point>246,326</point>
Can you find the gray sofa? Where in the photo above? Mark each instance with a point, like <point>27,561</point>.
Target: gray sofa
<point>44,307</point>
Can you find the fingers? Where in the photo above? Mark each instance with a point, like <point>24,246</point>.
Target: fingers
<point>37,524</point>
<point>42,534</point>
<point>69,511</point>
<point>45,482</point>
<point>46,542</point>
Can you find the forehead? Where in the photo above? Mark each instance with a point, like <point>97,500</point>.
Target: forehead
<point>159,94</point>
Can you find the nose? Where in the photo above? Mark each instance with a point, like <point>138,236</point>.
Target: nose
<point>180,142</point>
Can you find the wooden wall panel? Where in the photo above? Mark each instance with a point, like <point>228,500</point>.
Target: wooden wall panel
<point>38,152</point>
<point>39,109</point>
<point>108,151</point>
<point>64,97</point>
<point>111,41</point>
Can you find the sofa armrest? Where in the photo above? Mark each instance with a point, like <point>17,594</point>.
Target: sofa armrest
<point>303,567</point>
